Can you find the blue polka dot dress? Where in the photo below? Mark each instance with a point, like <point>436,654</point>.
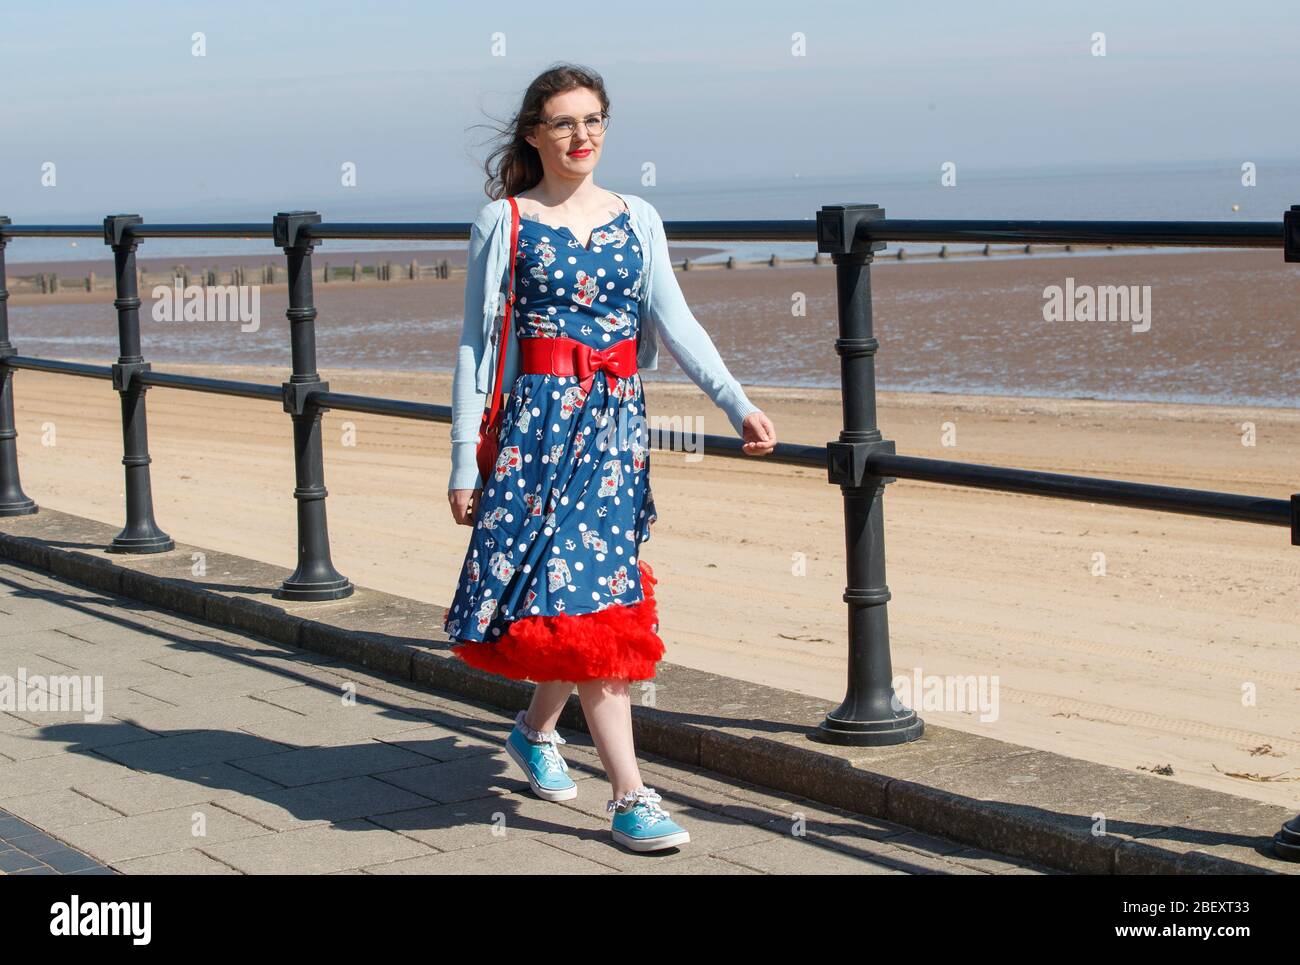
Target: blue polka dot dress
<point>553,587</point>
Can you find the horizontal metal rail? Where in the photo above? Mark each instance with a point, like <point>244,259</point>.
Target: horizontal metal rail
<point>1214,234</point>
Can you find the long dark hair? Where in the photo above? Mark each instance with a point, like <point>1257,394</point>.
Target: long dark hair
<point>514,165</point>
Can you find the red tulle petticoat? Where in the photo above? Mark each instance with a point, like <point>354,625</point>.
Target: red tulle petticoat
<point>619,642</point>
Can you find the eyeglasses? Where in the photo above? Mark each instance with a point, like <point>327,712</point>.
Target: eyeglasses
<point>562,127</point>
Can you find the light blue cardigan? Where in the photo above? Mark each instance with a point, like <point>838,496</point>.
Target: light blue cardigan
<point>663,310</point>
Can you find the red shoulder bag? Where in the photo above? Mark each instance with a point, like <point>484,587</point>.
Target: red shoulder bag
<point>489,433</point>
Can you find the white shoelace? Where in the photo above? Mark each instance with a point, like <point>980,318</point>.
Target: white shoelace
<point>547,739</point>
<point>646,796</point>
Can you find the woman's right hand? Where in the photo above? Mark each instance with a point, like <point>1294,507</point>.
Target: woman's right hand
<point>464,504</point>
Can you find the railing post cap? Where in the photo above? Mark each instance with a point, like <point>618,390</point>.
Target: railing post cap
<point>287,224</point>
<point>837,226</point>
<point>115,226</point>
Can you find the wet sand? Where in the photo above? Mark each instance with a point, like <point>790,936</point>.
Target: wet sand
<point>1224,327</point>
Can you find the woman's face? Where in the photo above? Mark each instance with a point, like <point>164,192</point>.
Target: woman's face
<point>575,155</point>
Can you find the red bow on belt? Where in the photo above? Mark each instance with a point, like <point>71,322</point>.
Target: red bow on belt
<point>567,356</point>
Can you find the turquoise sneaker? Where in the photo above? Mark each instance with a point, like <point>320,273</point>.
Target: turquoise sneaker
<point>641,824</point>
<point>541,761</point>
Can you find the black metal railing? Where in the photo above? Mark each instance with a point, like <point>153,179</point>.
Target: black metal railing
<point>861,461</point>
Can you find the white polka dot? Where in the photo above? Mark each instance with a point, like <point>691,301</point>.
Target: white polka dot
<point>558,273</point>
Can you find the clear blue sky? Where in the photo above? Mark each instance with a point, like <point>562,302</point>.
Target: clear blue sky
<point>288,91</point>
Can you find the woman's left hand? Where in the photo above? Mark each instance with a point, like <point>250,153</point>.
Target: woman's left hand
<point>760,434</point>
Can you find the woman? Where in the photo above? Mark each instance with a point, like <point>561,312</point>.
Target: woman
<point>552,589</point>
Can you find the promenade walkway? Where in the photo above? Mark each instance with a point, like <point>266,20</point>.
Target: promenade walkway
<point>218,752</point>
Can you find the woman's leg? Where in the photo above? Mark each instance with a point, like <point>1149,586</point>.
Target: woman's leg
<point>607,705</point>
<point>547,704</point>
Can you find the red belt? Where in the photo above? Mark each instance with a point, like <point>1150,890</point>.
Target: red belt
<point>567,356</point>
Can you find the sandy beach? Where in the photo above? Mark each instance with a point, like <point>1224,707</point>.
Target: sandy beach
<point>1143,667</point>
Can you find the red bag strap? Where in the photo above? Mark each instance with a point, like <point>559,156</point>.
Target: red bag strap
<point>503,334</point>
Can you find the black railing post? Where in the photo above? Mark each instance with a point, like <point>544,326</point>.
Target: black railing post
<point>870,714</point>
<point>141,534</point>
<point>315,578</point>
<point>13,501</point>
<point>1286,843</point>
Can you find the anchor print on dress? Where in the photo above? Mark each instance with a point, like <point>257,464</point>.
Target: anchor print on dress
<point>579,447</point>
<point>618,582</point>
<point>507,460</point>
<point>612,235</point>
<point>557,573</point>
<point>490,520</point>
<point>546,252</point>
<point>501,567</point>
<point>584,289</point>
<point>486,611</point>
<point>533,502</point>
<point>542,326</point>
<point>572,401</point>
<point>613,478</point>
<point>619,321</point>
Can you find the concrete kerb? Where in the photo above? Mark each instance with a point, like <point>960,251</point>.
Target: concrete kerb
<point>1152,829</point>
